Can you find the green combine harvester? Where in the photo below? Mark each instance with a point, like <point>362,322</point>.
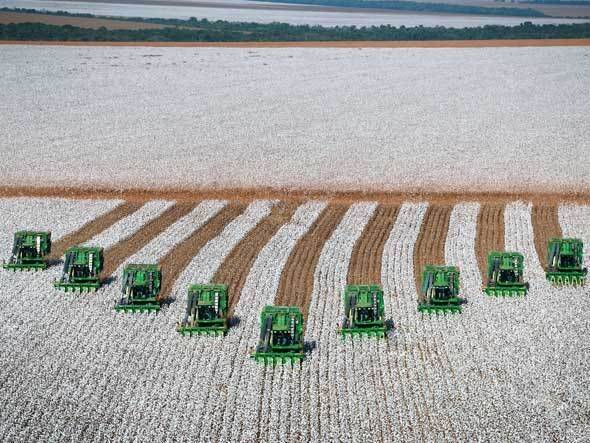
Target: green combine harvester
<point>281,336</point>
<point>565,258</point>
<point>29,251</point>
<point>206,311</point>
<point>82,268</point>
<point>506,274</point>
<point>363,311</point>
<point>440,290</point>
<point>140,287</point>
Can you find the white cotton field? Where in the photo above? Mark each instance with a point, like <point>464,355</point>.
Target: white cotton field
<point>476,119</point>
<point>513,369</point>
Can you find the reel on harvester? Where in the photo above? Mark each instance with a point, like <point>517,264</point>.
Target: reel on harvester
<point>505,275</point>
<point>281,336</point>
<point>29,250</point>
<point>565,258</point>
<point>206,311</point>
<point>363,311</point>
<point>140,287</point>
<point>440,290</point>
<point>82,268</point>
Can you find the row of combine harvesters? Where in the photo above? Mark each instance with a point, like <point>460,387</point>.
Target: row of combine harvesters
<point>281,327</point>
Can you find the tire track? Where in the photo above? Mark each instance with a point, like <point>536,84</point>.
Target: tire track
<point>92,229</point>
<point>117,254</point>
<point>545,219</point>
<point>490,234</point>
<point>430,246</point>
<point>178,258</point>
<point>296,285</point>
<point>365,263</point>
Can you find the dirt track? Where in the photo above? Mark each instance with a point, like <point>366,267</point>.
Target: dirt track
<point>236,266</point>
<point>339,44</point>
<point>178,258</point>
<point>129,246</point>
<point>92,228</point>
<point>545,226</point>
<point>430,245</point>
<point>490,234</point>
<point>296,285</point>
<point>365,263</point>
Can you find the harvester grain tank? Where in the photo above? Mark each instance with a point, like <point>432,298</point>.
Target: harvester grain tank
<point>206,310</point>
<point>565,258</point>
<point>82,268</point>
<point>281,336</point>
<point>439,292</point>
<point>140,286</point>
<point>364,311</point>
<point>505,274</point>
<point>29,251</point>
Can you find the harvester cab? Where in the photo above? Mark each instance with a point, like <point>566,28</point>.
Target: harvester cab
<point>29,250</point>
<point>82,267</point>
<point>505,274</point>
<point>206,311</point>
<point>440,290</point>
<point>565,258</point>
<point>281,335</point>
<point>140,287</point>
<point>363,311</point>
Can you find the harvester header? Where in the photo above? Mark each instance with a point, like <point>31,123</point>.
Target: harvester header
<point>206,311</point>
<point>29,251</point>
<point>82,268</point>
<point>364,311</point>
<point>281,336</point>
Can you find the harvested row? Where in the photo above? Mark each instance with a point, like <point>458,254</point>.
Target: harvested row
<point>430,245</point>
<point>92,228</point>
<point>125,248</point>
<point>236,266</point>
<point>178,258</point>
<point>329,377</point>
<point>545,222</point>
<point>59,215</point>
<point>490,234</point>
<point>296,285</point>
<point>365,263</point>
<point>230,410</point>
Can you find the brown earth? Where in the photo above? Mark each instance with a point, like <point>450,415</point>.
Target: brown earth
<point>82,22</point>
<point>365,263</point>
<point>542,196</point>
<point>545,226</point>
<point>91,229</point>
<point>327,44</point>
<point>490,234</point>
<point>297,278</point>
<point>236,267</point>
<point>129,246</point>
<point>174,263</point>
<point>430,245</point>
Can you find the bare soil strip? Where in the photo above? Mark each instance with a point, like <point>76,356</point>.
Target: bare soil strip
<point>546,225</point>
<point>430,245</point>
<point>490,234</point>
<point>365,263</point>
<point>296,195</point>
<point>236,267</point>
<point>180,256</point>
<point>327,44</point>
<point>92,228</point>
<point>82,22</point>
<point>116,255</point>
<point>296,285</point>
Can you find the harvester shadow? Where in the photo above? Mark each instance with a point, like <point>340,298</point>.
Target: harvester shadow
<point>234,321</point>
<point>54,262</point>
<point>309,346</point>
